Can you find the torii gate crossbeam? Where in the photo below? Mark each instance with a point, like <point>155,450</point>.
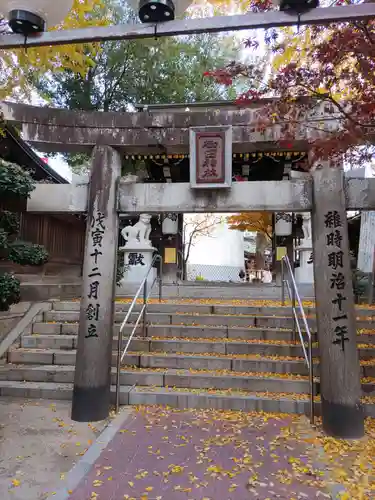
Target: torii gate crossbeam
<point>215,24</point>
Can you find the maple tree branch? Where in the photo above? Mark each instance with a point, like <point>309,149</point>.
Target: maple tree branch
<point>339,106</point>
<point>347,115</point>
<point>364,28</point>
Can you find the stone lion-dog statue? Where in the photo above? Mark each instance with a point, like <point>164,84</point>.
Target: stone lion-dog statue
<point>140,232</point>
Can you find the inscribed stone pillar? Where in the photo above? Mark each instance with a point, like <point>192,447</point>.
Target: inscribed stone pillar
<point>91,394</point>
<point>340,385</point>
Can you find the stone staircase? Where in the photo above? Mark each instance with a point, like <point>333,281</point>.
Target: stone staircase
<point>202,355</point>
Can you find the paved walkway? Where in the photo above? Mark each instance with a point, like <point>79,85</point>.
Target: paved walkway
<point>39,444</point>
<point>160,454</point>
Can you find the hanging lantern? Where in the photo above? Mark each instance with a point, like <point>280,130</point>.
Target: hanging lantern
<point>158,11</point>
<point>34,16</point>
<point>296,6</point>
<point>283,223</point>
<point>170,224</point>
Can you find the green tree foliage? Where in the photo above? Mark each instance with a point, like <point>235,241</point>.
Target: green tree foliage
<point>15,184</point>
<point>17,65</point>
<point>155,71</point>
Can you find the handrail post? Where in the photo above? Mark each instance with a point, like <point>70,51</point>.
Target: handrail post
<point>282,282</point>
<point>118,369</point>
<point>311,382</point>
<point>142,314</point>
<point>144,328</point>
<point>295,297</point>
<point>294,318</point>
<point>160,279</point>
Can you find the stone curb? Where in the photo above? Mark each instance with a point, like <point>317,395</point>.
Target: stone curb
<point>335,490</point>
<point>83,466</point>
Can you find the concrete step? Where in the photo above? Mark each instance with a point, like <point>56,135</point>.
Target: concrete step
<point>50,390</point>
<point>194,379</point>
<point>44,329</point>
<point>165,378</point>
<point>174,331</point>
<point>37,289</point>
<point>187,319</point>
<point>191,308</point>
<point>180,306</point>
<point>178,398</point>
<point>56,357</point>
<point>178,331</point>
<point>217,346</point>
<point>237,363</point>
<point>245,401</point>
<point>65,374</point>
<point>192,345</point>
<point>255,363</point>
<point>66,342</point>
<point>198,319</point>
<point>230,291</point>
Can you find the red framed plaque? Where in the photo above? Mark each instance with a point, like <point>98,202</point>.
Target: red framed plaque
<point>210,157</point>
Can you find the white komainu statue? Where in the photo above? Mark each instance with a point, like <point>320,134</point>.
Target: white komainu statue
<point>139,233</point>
<point>306,226</point>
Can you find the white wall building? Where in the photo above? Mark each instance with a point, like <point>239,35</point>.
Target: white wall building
<point>218,257</point>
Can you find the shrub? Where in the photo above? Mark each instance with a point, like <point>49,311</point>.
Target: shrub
<point>360,282</point>
<point>25,253</point>
<point>10,289</point>
<point>14,180</point>
<point>121,269</point>
<point>16,184</point>
<point>3,239</point>
<point>9,222</point>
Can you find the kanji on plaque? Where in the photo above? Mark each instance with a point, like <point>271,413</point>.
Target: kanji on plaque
<point>210,157</point>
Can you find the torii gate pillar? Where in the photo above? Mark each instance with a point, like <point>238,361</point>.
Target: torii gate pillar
<point>92,381</point>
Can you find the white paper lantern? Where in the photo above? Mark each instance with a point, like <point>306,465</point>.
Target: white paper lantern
<point>157,11</point>
<point>283,223</point>
<point>170,224</point>
<point>33,16</point>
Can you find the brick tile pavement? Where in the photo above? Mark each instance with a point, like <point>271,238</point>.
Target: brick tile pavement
<point>168,454</point>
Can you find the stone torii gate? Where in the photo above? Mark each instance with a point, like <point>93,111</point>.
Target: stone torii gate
<point>108,136</point>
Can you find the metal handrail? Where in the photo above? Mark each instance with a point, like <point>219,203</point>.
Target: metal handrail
<point>142,314</point>
<point>293,295</point>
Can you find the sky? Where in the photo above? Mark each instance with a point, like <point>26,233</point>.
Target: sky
<point>60,166</point>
